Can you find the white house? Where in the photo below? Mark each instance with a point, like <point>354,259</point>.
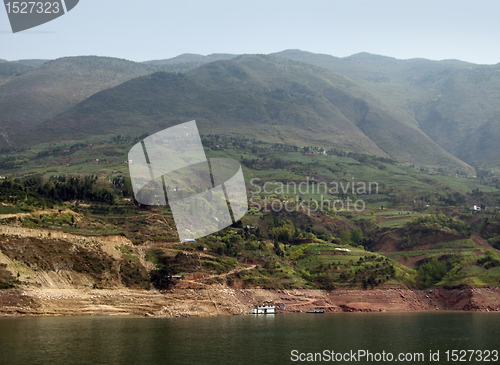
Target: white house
<point>264,309</point>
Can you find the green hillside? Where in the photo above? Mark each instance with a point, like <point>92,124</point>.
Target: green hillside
<point>262,97</point>
<point>31,98</point>
<point>417,230</point>
<point>317,121</point>
<point>453,102</point>
<point>437,112</point>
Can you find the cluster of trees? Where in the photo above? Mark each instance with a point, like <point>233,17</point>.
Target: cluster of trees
<point>495,241</point>
<point>284,233</point>
<point>9,163</point>
<point>360,157</point>
<point>264,163</point>
<point>68,150</point>
<point>489,261</point>
<point>453,199</point>
<point>166,266</point>
<point>60,188</point>
<point>401,196</point>
<point>56,151</point>
<point>126,138</point>
<point>261,149</point>
<point>123,185</point>
<point>439,221</point>
<point>229,242</point>
<point>354,238</point>
<point>233,241</point>
<point>488,177</point>
<point>369,271</point>
<point>213,140</point>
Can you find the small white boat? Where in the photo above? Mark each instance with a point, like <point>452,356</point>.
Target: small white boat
<point>264,309</point>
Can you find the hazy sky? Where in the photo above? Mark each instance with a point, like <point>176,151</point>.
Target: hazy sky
<point>156,29</point>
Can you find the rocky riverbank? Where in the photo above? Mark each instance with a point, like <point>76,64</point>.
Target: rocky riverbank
<point>221,300</point>
<point>53,273</point>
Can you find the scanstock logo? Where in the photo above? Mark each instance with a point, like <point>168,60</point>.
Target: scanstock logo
<point>29,14</point>
<point>205,195</point>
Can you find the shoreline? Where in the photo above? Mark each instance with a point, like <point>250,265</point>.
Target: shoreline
<point>49,284</point>
<point>223,301</point>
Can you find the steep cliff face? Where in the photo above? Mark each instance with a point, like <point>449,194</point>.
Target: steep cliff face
<point>56,260</point>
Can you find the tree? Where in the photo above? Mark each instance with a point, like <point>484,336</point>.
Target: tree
<point>283,233</point>
<point>431,272</point>
<point>161,278</point>
<point>345,237</point>
<point>357,236</point>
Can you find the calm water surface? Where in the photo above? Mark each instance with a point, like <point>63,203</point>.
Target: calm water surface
<point>240,339</point>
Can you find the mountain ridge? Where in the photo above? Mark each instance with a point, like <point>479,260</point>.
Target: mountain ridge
<point>45,91</point>
<point>448,106</point>
<point>423,89</point>
<point>262,97</point>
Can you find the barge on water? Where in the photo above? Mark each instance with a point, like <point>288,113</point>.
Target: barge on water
<point>264,309</point>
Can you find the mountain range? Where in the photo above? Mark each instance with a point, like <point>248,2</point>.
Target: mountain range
<point>41,92</point>
<point>432,113</point>
<point>455,103</point>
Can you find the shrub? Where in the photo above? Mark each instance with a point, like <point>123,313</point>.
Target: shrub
<point>431,272</point>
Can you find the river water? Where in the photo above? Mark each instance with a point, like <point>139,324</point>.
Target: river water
<point>247,339</point>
